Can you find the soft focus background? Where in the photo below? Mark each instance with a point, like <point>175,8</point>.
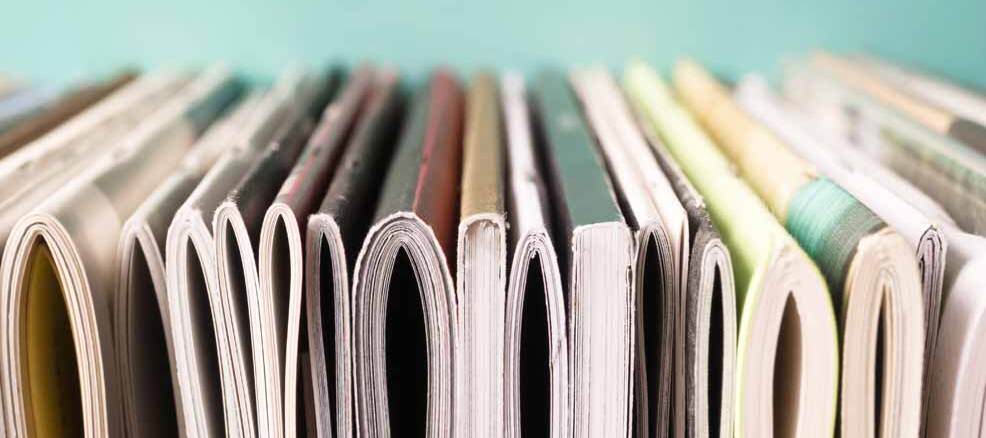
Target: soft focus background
<point>56,41</point>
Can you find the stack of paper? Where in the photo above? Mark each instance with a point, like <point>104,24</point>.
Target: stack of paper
<point>360,253</point>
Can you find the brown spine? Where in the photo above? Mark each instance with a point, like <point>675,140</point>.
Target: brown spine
<point>482,165</point>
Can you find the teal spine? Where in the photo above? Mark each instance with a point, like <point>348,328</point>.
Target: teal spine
<point>828,223</point>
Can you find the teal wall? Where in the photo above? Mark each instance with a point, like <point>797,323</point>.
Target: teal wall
<point>59,40</point>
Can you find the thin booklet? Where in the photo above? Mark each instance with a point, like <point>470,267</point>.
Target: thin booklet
<point>238,222</point>
<point>536,388</point>
<point>280,246</point>
<point>333,238</point>
<point>709,315</point>
<point>834,159</point>
<point>954,401</point>
<point>104,124</point>
<point>144,342</point>
<point>200,320</point>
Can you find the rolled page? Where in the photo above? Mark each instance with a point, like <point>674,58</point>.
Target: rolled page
<point>536,339</point>
<point>199,319</point>
<point>73,236</point>
<point>403,297</point>
<point>866,264</point>
<point>335,234</point>
<point>280,246</point>
<point>787,352</point>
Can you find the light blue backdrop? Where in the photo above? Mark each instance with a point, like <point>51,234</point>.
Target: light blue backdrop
<point>59,40</point>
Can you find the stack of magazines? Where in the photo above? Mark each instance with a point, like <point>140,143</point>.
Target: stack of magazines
<point>580,253</point>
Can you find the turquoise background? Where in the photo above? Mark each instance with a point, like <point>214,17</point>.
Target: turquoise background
<point>63,40</point>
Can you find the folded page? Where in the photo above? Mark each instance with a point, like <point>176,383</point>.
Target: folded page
<point>334,235</point>
<point>199,320</point>
<point>536,389</point>
<point>403,298</point>
<point>75,235</point>
<point>867,265</point>
<point>787,352</point>
<point>280,243</point>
